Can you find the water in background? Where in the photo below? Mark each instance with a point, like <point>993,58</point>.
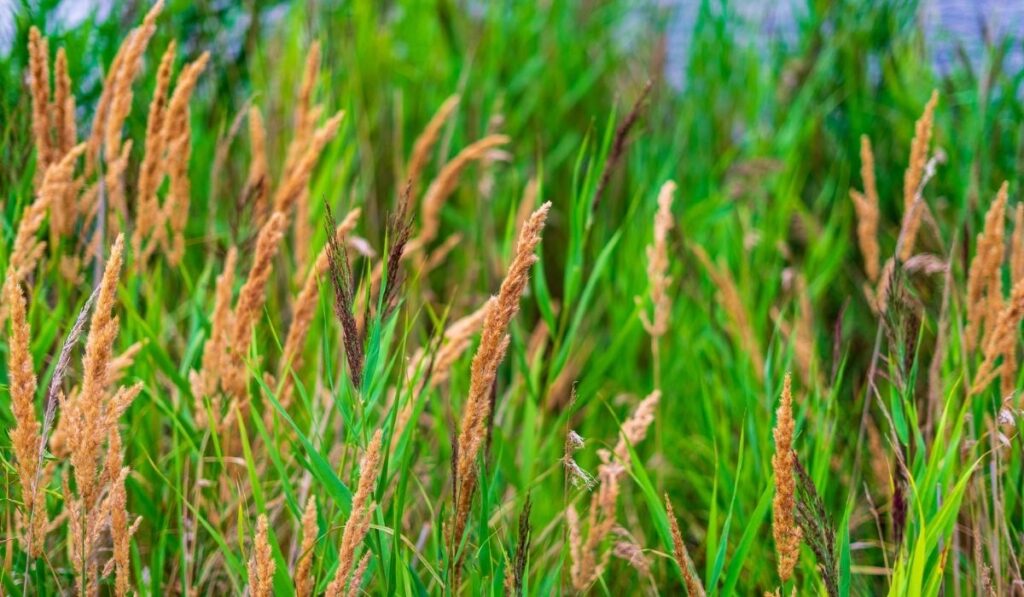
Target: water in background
<point>949,23</point>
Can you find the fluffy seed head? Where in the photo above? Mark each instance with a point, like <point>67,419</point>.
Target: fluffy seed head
<point>425,142</point>
<point>914,175</point>
<point>784,528</point>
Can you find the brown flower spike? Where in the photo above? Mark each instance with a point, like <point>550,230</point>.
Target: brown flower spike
<point>784,528</point>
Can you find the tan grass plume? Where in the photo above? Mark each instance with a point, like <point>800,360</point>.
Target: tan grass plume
<point>261,562</point>
<point>914,176</point>
<point>426,141</point>
<point>732,303</point>
<point>177,135</point>
<point>89,417</point>
<point>1001,339</point>
<point>358,522</point>
<point>28,248</point>
<point>491,351</point>
<point>297,177</point>
<point>1017,245</point>
<point>207,381</point>
<point>39,91</point>
<point>250,305</point>
<point>304,581</point>
<point>305,114</point>
<point>657,275</point>
<point>457,339</point>
<point>151,171</point>
<point>121,530</point>
<point>983,276</point>
<point>443,186</point>
<point>865,204</point>
<point>588,558</point>
<point>120,105</point>
<point>784,528</point>
<point>694,586</point>
<point>62,107</point>
<point>25,436</point>
<point>257,183</point>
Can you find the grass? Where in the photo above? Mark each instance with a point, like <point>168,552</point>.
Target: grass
<point>905,480</point>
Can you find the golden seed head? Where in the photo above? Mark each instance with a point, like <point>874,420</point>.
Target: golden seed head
<point>784,528</point>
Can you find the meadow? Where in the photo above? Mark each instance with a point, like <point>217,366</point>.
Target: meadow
<point>462,298</point>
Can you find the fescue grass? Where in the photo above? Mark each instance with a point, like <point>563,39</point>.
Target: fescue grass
<point>755,333</point>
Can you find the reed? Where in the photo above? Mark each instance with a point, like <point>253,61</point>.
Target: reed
<point>427,139</point>
<point>207,382</point>
<point>39,92</point>
<point>248,309</point>
<point>304,308</point>
<point>257,183</point>
<point>866,206</point>
<point>26,439</point>
<point>358,522</point>
<point>344,285</point>
<point>784,529</point>
<point>261,562</point>
<point>588,559</point>
<point>657,275</point>
<point>984,284</point>
<point>444,184</point>
<point>489,354</point>
<point>152,168</point>
<point>915,176</point>
<point>303,578</point>
<point>694,586</point>
<point>732,303</point>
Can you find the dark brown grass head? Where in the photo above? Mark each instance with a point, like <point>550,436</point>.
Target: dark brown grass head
<point>399,231</point>
<point>344,284</point>
<point>619,144</point>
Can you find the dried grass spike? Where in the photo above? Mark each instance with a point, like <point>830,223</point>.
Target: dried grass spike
<point>490,353</point>
<point>62,107</point>
<point>731,301</point>
<point>915,175</point>
<point>786,532</point>
<point>261,562</point>
<point>358,522</point>
<point>39,91</point>
<point>983,276</point>
<point>250,304</point>
<point>866,206</point>
<point>151,170</point>
<point>443,186</point>
<point>25,436</point>
<point>1017,245</point>
<point>304,581</point>
<point>257,183</point>
<point>425,142</point>
<point>694,586</point>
